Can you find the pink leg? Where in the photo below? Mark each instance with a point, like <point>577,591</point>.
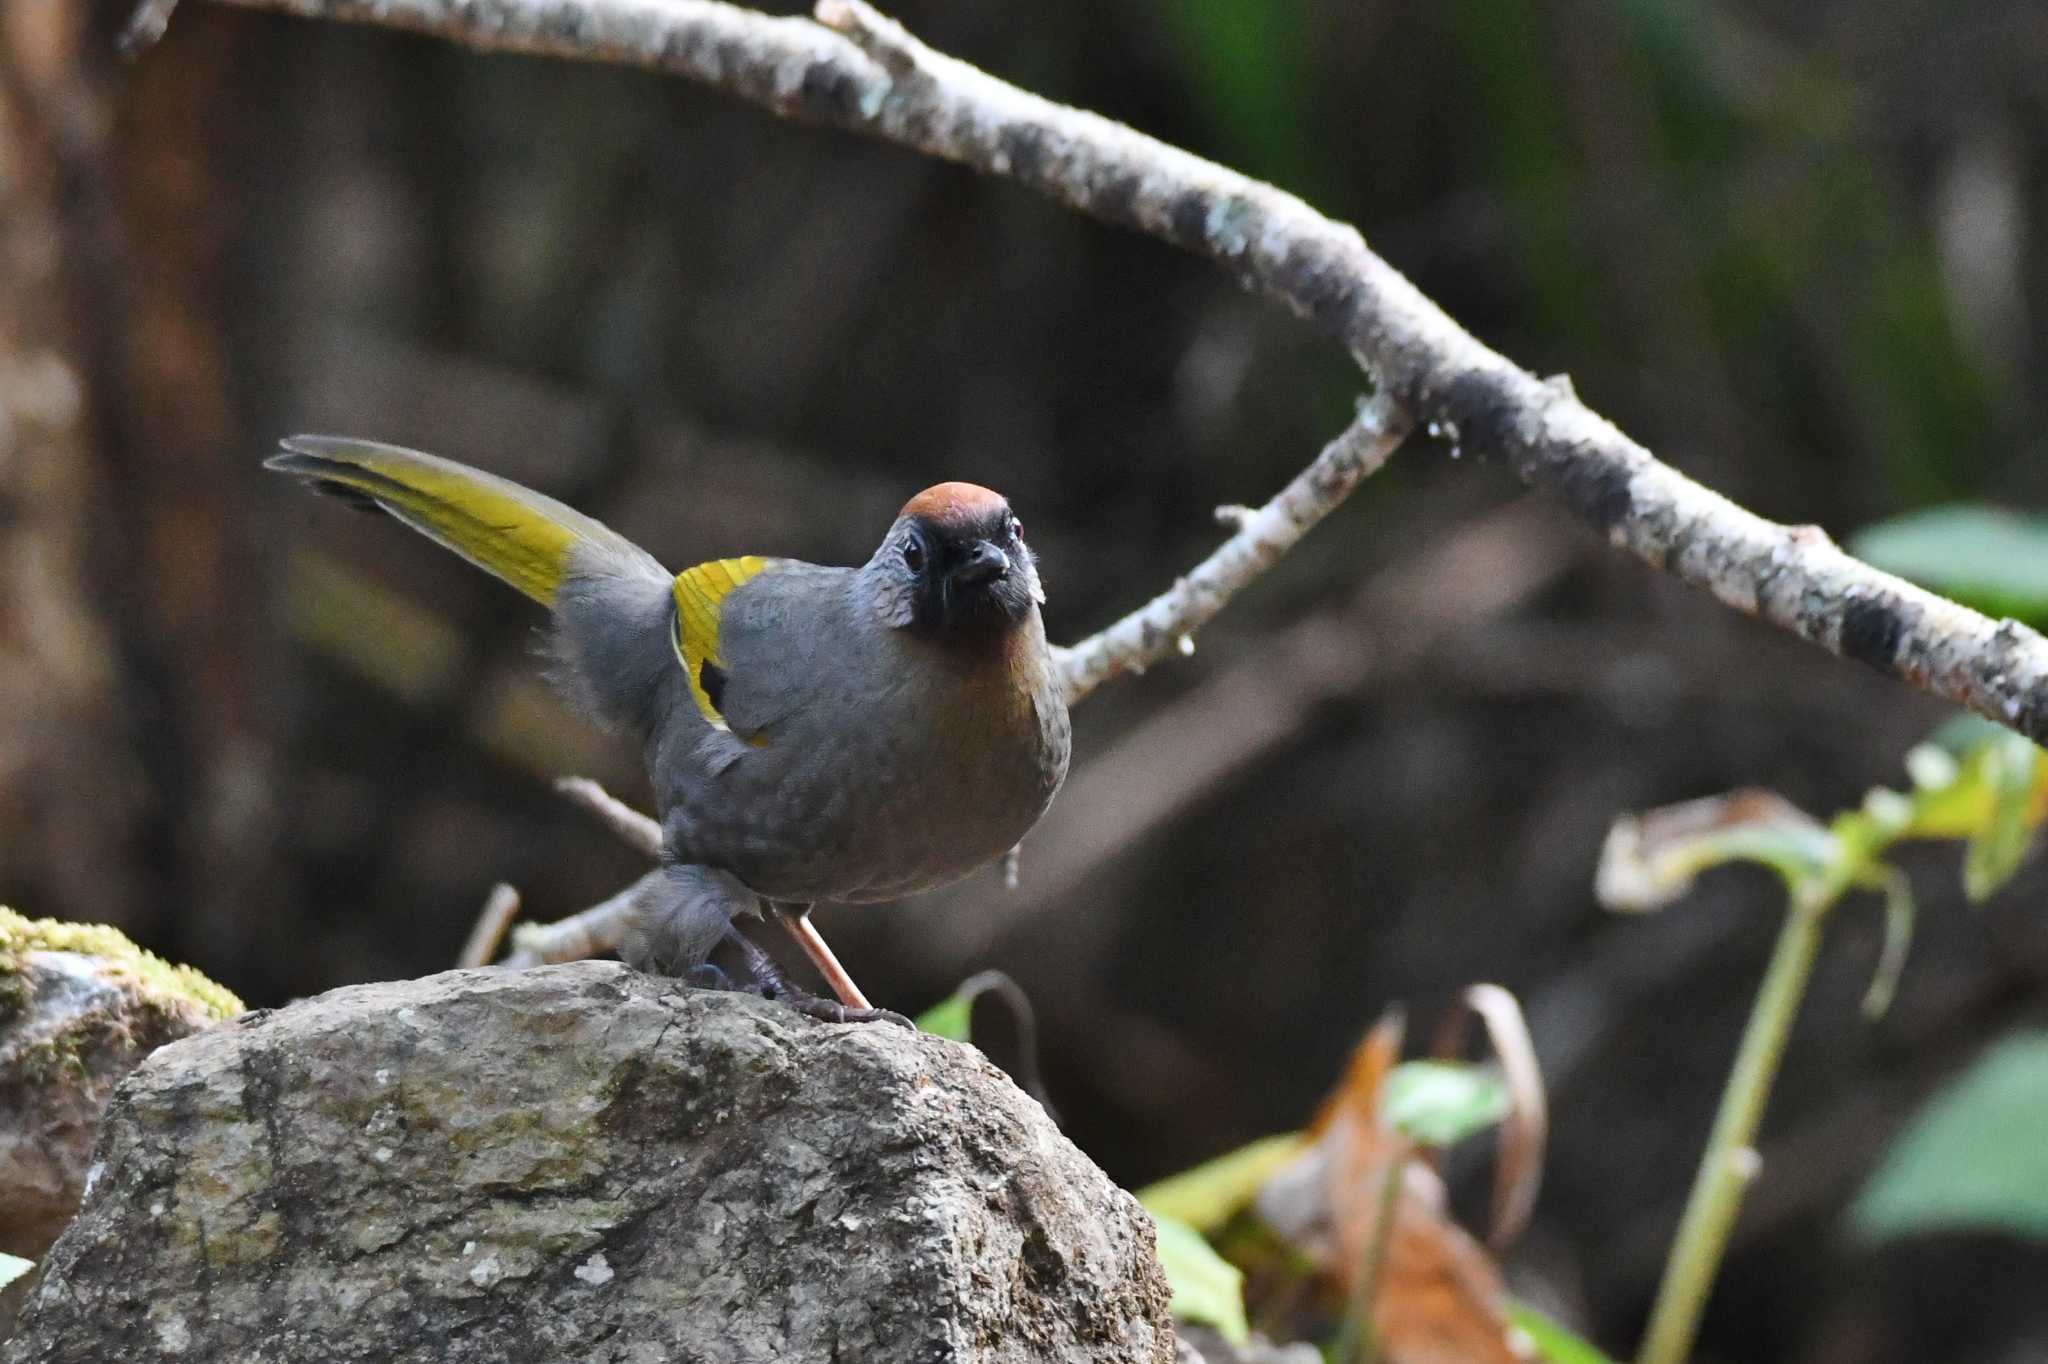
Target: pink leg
<point>813,943</point>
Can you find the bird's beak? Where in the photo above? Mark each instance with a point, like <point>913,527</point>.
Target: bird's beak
<point>982,564</point>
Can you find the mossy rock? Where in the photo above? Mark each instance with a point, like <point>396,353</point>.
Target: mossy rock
<point>80,1007</point>
<point>120,959</point>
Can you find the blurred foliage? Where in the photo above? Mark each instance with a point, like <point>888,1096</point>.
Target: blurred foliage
<point>953,1019</point>
<point>1440,1103</point>
<point>1552,1342</point>
<point>1973,781</point>
<point>1247,66</point>
<point>1207,1289</point>
<point>1976,1156</point>
<point>1992,559</point>
<point>1349,1214</point>
<point>950,1018</point>
<point>1215,1191</point>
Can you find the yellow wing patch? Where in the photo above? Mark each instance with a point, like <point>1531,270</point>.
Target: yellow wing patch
<point>700,594</point>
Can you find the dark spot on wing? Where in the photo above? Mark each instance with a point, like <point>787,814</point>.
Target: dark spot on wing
<point>711,678</point>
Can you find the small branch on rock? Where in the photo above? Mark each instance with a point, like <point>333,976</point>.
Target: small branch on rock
<point>594,931</point>
<point>854,69</point>
<point>491,926</point>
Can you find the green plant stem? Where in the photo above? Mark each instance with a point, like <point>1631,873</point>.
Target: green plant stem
<point>1729,1163</point>
<point>1360,1341</point>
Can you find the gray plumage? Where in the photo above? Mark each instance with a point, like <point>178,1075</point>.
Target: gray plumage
<point>875,731</point>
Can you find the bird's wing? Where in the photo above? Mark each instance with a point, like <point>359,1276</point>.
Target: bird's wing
<point>762,656</point>
<point>700,595</point>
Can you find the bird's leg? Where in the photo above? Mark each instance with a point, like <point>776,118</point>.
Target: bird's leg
<point>679,916</point>
<point>689,911</point>
<point>765,978</point>
<point>797,920</point>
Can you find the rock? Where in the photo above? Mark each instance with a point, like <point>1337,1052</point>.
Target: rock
<point>80,1007</point>
<point>583,1163</point>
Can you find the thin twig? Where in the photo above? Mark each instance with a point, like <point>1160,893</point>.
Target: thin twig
<point>596,930</point>
<point>634,829</point>
<point>498,913</point>
<point>1170,619</point>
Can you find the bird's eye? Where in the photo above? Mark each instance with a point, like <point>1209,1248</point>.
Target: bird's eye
<point>1016,528</point>
<point>913,555</point>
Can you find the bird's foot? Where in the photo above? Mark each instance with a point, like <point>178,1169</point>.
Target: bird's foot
<point>705,976</point>
<point>831,1010</point>
<point>758,975</point>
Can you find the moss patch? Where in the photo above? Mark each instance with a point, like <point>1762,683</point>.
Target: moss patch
<point>152,974</point>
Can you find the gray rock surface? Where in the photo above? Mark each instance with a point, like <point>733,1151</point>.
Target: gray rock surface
<point>581,1163</point>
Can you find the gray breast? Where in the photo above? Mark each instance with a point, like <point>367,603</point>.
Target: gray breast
<point>892,763</point>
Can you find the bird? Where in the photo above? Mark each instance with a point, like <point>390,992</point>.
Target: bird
<point>813,734</point>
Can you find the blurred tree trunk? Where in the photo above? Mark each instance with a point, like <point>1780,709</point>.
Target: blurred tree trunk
<point>70,788</point>
<point>127,488</point>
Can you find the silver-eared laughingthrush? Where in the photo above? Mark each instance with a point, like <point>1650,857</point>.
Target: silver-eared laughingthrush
<point>845,734</point>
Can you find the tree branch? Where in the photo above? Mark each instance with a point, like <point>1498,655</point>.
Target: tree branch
<point>1169,620</point>
<point>491,926</point>
<point>601,928</point>
<point>635,830</point>
<point>855,69</point>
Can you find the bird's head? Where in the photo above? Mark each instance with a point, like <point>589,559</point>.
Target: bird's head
<point>955,562</point>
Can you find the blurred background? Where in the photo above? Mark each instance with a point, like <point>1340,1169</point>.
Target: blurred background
<point>1798,249</point>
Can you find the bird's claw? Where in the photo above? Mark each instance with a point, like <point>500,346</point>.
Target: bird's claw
<point>758,975</point>
<point>832,1011</point>
<point>705,976</point>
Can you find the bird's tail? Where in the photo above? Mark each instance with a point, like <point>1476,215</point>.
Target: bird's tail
<point>528,539</point>
<point>611,599</point>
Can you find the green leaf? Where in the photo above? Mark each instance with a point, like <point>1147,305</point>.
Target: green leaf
<point>13,1267</point>
<point>1973,1159</point>
<point>1554,1344</point>
<point>1994,560</point>
<point>1440,1103</point>
<point>949,1018</point>
<point>953,1017</point>
<point>1216,1190</point>
<point>1206,1287</point>
<point>1998,845</point>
